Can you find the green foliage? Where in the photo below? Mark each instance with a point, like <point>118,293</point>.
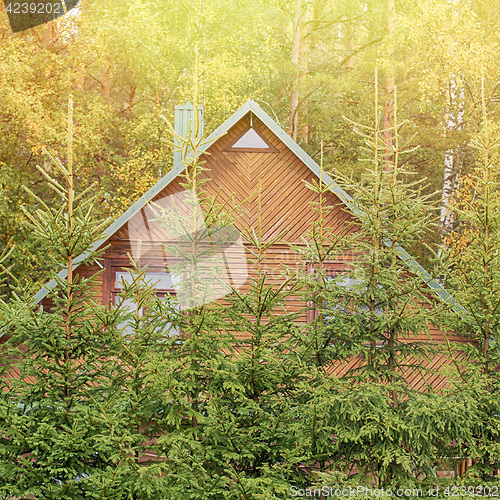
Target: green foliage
<point>240,403</point>
<point>373,316</point>
<point>50,426</point>
<point>472,265</point>
<point>129,62</point>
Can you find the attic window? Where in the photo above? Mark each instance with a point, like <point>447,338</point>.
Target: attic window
<point>251,141</point>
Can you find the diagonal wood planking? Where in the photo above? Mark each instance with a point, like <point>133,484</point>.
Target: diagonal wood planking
<point>285,199</point>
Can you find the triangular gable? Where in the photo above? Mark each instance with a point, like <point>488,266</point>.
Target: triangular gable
<point>252,107</point>
<point>250,141</point>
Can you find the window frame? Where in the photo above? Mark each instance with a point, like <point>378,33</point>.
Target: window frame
<point>160,292</point>
<point>118,265</point>
<point>121,265</point>
<point>332,269</point>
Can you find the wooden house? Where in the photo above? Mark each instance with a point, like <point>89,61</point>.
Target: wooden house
<point>247,149</point>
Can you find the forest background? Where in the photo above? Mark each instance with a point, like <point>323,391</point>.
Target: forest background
<point>309,63</point>
<point>252,425</point>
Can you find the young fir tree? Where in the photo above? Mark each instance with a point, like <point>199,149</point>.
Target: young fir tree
<point>370,425</point>
<point>263,443</point>
<point>178,355</point>
<point>232,422</point>
<point>191,409</point>
<point>56,364</point>
<point>190,369</point>
<point>166,355</point>
<point>473,261</point>
<point>229,386</point>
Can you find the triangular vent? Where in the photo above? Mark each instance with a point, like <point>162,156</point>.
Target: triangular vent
<point>251,141</point>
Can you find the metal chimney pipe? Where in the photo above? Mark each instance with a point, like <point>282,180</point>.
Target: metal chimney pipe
<point>184,127</point>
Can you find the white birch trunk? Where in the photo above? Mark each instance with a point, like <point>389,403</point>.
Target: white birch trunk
<point>453,158</point>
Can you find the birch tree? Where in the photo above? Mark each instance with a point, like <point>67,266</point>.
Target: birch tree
<point>453,158</point>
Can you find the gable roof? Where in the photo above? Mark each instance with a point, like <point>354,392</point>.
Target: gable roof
<point>252,107</point>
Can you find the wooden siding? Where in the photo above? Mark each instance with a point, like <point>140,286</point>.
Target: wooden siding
<point>285,209</point>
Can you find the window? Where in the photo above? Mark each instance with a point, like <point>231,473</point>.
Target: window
<point>353,287</point>
<point>341,280</point>
<point>163,282</point>
<point>332,271</point>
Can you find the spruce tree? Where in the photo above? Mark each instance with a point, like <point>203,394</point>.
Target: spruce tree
<point>231,384</point>
<point>374,427</point>
<point>472,257</point>
<point>56,364</point>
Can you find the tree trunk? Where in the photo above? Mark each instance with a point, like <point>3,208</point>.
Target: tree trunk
<point>349,45</point>
<point>80,77</point>
<point>303,60</point>
<point>453,161</point>
<point>132,90</point>
<point>106,82</point>
<point>453,158</point>
<point>82,34</point>
<point>318,11</point>
<point>282,22</point>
